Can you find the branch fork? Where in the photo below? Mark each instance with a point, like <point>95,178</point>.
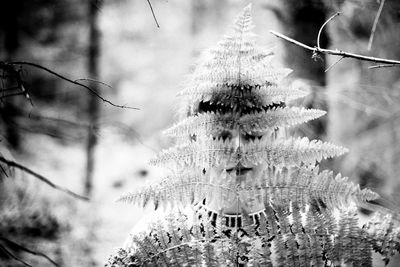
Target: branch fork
<point>317,50</point>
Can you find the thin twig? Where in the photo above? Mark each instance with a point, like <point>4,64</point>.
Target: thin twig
<point>69,80</point>
<point>39,117</point>
<point>322,27</point>
<point>53,134</point>
<point>12,243</point>
<point>152,12</point>
<point>336,52</point>
<point>13,256</point>
<point>130,131</point>
<point>3,170</point>
<point>16,75</point>
<point>26,93</point>
<point>41,177</point>
<point>12,94</point>
<point>378,14</point>
<point>336,62</point>
<point>9,89</point>
<point>382,66</point>
<point>95,81</point>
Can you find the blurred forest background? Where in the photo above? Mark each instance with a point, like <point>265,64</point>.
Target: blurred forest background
<point>55,129</point>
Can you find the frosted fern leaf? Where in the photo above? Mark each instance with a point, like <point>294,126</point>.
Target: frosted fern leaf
<point>272,239</point>
<point>254,202</point>
<point>207,153</point>
<point>263,94</point>
<point>182,190</point>
<point>211,123</point>
<point>301,185</point>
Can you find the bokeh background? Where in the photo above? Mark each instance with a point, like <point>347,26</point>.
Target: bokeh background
<point>77,141</point>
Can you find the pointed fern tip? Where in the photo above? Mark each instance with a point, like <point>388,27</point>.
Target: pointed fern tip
<point>344,150</point>
<point>248,8</point>
<point>122,198</point>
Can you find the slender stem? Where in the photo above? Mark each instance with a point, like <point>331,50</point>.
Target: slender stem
<point>378,14</point>
<point>12,94</point>
<point>322,27</point>
<point>41,177</point>
<point>3,170</point>
<point>336,52</point>
<point>336,62</point>
<point>95,81</point>
<point>20,247</point>
<point>39,117</point>
<point>5,251</point>
<point>68,80</point>
<point>10,88</point>
<point>152,12</point>
<point>383,66</point>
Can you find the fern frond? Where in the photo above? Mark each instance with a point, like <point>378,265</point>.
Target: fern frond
<point>236,64</point>
<point>350,238</point>
<point>285,205</point>
<point>232,73</point>
<point>384,234</point>
<point>197,154</point>
<point>261,96</point>
<point>276,118</point>
<point>123,257</point>
<point>293,257</point>
<point>158,247</point>
<point>289,152</point>
<point>183,189</point>
<point>237,61</point>
<point>276,94</point>
<point>304,186</point>
<point>208,153</point>
<point>243,22</point>
<point>211,123</point>
<point>282,188</point>
<point>175,242</point>
<point>207,124</point>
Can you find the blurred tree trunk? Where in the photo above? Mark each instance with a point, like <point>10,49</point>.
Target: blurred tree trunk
<point>301,20</point>
<point>364,102</point>
<point>8,110</point>
<point>93,105</point>
<point>199,9</point>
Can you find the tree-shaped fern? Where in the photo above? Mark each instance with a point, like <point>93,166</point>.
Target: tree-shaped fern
<point>257,195</point>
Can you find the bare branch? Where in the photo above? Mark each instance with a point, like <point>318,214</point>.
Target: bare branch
<point>11,94</point>
<point>378,14</point>
<point>15,74</point>
<point>322,27</point>
<point>331,66</point>
<point>41,177</point>
<point>68,80</point>
<point>3,170</point>
<point>95,81</point>
<point>129,131</point>
<point>336,52</point>
<point>51,132</point>
<point>20,247</point>
<point>40,117</point>
<point>3,248</point>
<point>152,12</point>
<point>383,66</point>
<point>10,88</point>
